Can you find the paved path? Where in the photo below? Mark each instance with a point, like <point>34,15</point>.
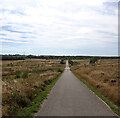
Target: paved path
<point>70,97</point>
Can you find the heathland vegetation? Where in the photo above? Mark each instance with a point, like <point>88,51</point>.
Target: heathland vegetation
<point>101,74</point>
<point>25,77</point>
<point>24,80</point>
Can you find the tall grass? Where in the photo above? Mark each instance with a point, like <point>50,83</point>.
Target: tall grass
<point>24,81</point>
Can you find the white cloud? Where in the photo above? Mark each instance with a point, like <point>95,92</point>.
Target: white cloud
<point>60,23</point>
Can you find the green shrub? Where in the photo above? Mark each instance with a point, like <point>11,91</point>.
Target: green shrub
<point>10,65</point>
<point>43,88</point>
<point>18,74</point>
<point>25,75</point>
<point>17,101</point>
<point>12,109</point>
<point>59,70</point>
<point>70,62</point>
<point>62,61</point>
<point>93,60</point>
<point>22,100</point>
<point>73,63</point>
<point>12,77</point>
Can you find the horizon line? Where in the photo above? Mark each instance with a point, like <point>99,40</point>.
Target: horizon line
<point>60,55</point>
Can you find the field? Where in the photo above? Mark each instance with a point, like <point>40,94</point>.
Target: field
<point>103,76</point>
<point>24,80</point>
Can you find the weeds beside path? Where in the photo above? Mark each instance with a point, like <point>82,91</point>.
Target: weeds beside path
<point>35,105</point>
<point>23,81</point>
<point>114,108</point>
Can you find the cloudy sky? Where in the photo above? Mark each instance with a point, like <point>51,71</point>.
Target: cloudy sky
<point>59,27</point>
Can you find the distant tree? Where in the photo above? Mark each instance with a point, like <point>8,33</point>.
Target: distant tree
<point>93,60</point>
<point>70,62</point>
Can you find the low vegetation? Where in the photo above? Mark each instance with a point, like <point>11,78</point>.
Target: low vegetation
<point>62,61</point>
<point>35,105</point>
<point>72,63</point>
<point>25,80</point>
<point>103,76</point>
<point>93,60</point>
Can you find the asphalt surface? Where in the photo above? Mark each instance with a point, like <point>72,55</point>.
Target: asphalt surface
<point>70,97</point>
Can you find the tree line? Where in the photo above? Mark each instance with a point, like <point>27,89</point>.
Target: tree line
<point>23,57</point>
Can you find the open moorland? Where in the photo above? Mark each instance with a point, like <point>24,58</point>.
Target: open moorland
<point>23,80</point>
<point>103,76</point>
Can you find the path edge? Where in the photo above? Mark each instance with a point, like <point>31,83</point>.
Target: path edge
<point>35,106</point>
<point>107,102</point>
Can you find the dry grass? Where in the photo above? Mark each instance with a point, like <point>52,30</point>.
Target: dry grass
<point>23,80</point>
<point>103,76</point>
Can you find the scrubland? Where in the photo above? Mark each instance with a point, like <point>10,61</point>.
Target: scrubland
<point>103,76</point>
<point>24,80</point>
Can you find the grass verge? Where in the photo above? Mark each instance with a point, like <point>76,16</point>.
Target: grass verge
<point>35,105</point>
<point>114,108</point>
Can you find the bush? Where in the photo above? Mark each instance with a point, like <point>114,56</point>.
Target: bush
<point>93,60</point>
<point>22,100</point>
<point>17,101</point>
<point>10,65</point>
<point>25,75</point>
<point>70,62</point>
<point>73,63</point>
<point>60,70</point>
<point>17,74</point>
<point>62,62</point>
<point>12,109</point>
